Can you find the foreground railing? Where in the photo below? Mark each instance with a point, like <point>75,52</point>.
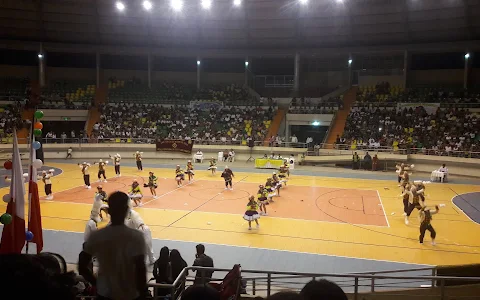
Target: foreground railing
<point>265,283</point>
<point>347,149</point>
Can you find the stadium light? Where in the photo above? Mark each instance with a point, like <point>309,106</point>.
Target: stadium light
<point>198,62</point>
<point>176,5</point>
<point>147,5</point>
<point>350,61</point>
<point>303,1</point>
<point>246,64</point>
<point>339,1</point>
<point>237,2</point>
<point>467,55</point>
<point>316,123</point>
<point>40,55</point>
<point>206,4</point>
<point>120,6</point>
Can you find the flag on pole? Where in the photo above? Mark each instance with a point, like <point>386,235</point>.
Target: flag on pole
<point>13,236</point>
<point>35,216</point>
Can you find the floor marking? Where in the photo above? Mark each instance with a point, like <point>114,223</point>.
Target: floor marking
<point>383,208</point>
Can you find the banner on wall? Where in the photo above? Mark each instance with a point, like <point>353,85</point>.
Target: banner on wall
<point>183,146</point>
<point>430,108</point>
<point>206,105</point>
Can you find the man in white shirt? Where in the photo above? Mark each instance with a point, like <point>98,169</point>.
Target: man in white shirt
<point>89,228</point>
<point>135,221</point>
<point>443,169</point>
<point>120,252</point>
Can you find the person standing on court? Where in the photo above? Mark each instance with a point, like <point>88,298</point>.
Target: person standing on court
<point>202,260</point>
<point>120,252</point>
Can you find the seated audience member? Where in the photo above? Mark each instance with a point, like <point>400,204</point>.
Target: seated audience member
<point>120,252</point>
<point>162,271</point>
<point>322,290</point>
<point>202,260</point>
<point>201,292</point>
<point>35,277</point>
<point>178,264</point>
<point>444,169</point>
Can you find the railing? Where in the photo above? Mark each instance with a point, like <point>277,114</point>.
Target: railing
<point>123,140</point>
<point>346,149</point>
<point>415,101</point>
<point>266,283</point>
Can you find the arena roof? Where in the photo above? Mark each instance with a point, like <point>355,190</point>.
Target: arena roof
<point>255,24</point>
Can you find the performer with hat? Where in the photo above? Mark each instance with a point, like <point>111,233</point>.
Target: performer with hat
<point>276,183</point>
<point>190,171</point>
<point>251,213</point>
<point>101,170</point>
<point>47,180</point>
<point>152,184</point>
<point>262,197</point>
<point>179,176</point>
<point>116,163</point>
<point>213,166</point>
<point>135,193</point>
<point>86,174</point>
<point>99,205</point>
<point>228,176</point>
<point>426,223</point>
<point>138,159</point>
<point>135,221</point>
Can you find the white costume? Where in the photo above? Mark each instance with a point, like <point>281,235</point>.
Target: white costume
<point>135,221</point>
<point>97,206</point>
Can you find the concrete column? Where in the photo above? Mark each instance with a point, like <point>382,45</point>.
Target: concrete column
<point>296,78</point>
<point>199,62</point>
<point>406,65</point>
<point>149,58</point>
<point>350,75</point>
<point>41,66</point>
<point>97,61</point>
<point>247,63</point>
<point>466,69</point>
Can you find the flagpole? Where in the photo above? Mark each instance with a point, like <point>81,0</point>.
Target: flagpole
<point>30,175</point>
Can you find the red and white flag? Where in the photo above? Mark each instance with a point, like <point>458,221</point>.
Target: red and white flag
<point>35,216</point>
<point>13,236</point>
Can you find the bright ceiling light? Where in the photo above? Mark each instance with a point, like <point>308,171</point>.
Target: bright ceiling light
<point>303,1</point>
<point>147,5</point>
<point>40,55</point>
<point>120,6</point>
<point>206,4</point>
<point>237,2</point>
<point>176,5</point>
<point>467,56</point>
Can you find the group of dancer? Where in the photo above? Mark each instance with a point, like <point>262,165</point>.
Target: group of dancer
<point>413,195</point>
<point>265,195</point>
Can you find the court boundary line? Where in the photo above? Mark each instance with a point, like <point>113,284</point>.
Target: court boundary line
<point>457,195</point>
<point>383,208</point>
<point>268,249</point>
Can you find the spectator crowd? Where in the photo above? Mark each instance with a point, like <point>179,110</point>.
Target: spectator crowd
<point>210,125</point>
<point>442,131</point>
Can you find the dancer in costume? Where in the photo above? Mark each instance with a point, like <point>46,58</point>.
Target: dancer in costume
<point>86,174</point>
<point>251,214</point>
<point>99,205</point>
<point>228,176</point>
<point>284,172</point>
<point>262,197</point>
<point>138,159</point>
<point>135,221</point>
<point>152,184</point>
<point>269,186</point>
<point>135,193</point>
<point>47,180</point>
<point>276,183</point>
<point>101,170</point>
<point>426,223</point>
<point>179,176</point>
<point>116,162</point>
<point>413,200</point>
<point>213,166</point>
<point>190,171</point>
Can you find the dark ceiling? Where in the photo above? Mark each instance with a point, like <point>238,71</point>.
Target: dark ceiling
<point>256,24</point>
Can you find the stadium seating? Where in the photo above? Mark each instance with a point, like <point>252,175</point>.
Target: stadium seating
<point>443,131</point>
<point>216,125</point>
<point>68,94</point>
<point>10,115</point>
<point>13,88</point>
<point>307,106</point>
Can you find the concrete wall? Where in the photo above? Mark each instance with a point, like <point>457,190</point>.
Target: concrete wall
<point>394,80</point>
<point>307,119</point>
<point>445,77</point>
<point>324,79</point>
<point>59,114</point>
